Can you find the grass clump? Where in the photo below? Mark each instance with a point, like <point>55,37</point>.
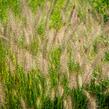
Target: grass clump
<point>79,100</point>
<point>106,56</point>
<point>98,91</point>
<point>33,47</point>
<point>56,20</point>
<point>34,4</point>
<point>101,6</point>
<point>41,30</point>
<point>73,66</point>
<point>20,41</point>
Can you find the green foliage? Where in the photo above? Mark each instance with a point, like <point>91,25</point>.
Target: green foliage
<point>3,56</point>
<point>59,4</point>
<point>41,30</point>
<point>33,47</point>
<point>6,5</point>
<point>48,103</point>
<point>53,77</point>
<point>97,90</point>
<point>106,57</point>
<point>2,51</point>
<point>79,100</point>
<point>3,10</point>
<point>56,20</point>
<point>64,80</point>
<point>100,42</point>
<point>20,41</point>
<point>73,66</point>
<point>56,17</point>
<point>58,103</point>
<point>95,47</point>
<point>54,57</point>
<point>65,83</point>
<point>15,5</point>
<point>102,7</point>
<point>97,72</point>
<point>34,4</point>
